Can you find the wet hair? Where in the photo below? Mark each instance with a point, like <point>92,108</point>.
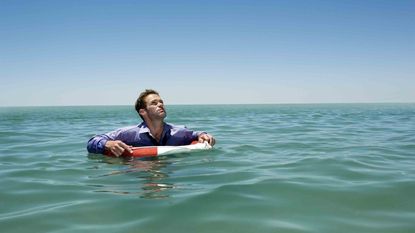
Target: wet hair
<point>140,103</point>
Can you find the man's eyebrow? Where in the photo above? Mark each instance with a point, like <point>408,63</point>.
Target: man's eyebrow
<point>156,101</point>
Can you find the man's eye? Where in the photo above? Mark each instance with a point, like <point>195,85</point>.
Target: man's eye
<point>156,102</point>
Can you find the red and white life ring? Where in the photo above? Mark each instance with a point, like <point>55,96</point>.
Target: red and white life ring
<point>151,151</point>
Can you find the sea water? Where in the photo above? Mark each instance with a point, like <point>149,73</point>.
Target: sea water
<point>275,168</point>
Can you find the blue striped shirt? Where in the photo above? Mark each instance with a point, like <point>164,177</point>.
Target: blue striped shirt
<point>139,135</point>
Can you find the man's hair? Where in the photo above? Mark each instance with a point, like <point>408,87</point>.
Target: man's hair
<point>140,103</point>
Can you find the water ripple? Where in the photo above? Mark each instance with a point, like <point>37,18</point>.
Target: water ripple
<point>275,168</point>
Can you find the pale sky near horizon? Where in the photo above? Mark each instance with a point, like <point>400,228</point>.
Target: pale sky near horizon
<point>206,52</point>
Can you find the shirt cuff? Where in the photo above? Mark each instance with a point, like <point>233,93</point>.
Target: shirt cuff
<point>196,134</point>
<point>101,146</point>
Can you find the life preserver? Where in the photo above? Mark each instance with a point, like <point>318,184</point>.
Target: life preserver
<point>151,151</point>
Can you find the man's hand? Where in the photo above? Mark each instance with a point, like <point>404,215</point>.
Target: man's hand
<point>206,137</point>
<point>117,148</point>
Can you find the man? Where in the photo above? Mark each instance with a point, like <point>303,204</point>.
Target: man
<point>153,131</point>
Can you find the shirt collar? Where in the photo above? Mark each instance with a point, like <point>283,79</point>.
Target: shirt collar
<point>144,128</point>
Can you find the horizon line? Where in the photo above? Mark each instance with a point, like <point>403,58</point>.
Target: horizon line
<point>205,104</point>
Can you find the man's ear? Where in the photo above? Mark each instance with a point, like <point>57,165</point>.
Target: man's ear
<point>142,111</point>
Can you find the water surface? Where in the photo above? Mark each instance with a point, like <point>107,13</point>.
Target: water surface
<point>275,168</point>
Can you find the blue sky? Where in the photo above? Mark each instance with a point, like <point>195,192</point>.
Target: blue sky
<point>206,52</point>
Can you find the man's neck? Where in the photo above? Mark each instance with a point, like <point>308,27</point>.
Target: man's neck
<point>156,129</point>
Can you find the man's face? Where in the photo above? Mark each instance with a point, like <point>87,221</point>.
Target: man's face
<point>155,107</point>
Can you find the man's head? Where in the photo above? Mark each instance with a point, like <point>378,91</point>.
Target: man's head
<point>150,104</point>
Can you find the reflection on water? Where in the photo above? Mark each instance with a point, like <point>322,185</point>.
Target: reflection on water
<point>149,176</point>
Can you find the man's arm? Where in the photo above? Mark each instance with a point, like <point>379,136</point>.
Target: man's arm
<point>201,136</point>
<point>117,147</point>
<point>97,144</point>
<point>180,135</point>
<point>206,137</point>
<point>101,143</point>
<point>112,141</point>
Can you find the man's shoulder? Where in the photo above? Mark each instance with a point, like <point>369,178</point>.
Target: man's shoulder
<point>173,126</point>
<point>131,128</point>
<point>177,129</point>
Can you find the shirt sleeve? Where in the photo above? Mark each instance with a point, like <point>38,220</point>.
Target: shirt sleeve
<point>195,135</point>
<point>97,143</point>
<point>180,135</point>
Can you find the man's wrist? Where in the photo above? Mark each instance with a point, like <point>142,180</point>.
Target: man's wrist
<point>102,145</point>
